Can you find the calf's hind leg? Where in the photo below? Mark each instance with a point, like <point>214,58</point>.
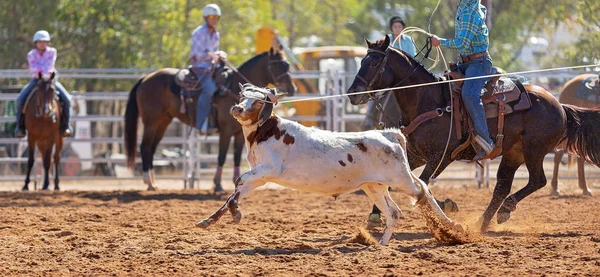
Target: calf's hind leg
<point>380,195</point>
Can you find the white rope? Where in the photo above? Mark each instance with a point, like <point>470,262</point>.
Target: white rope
<point>438,83</point>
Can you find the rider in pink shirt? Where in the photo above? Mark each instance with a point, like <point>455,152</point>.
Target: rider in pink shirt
<point>42,59</point>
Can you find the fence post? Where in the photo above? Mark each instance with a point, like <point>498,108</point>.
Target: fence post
<point>328,88</point>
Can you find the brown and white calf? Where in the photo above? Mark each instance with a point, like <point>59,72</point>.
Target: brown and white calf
<point>313,160</point>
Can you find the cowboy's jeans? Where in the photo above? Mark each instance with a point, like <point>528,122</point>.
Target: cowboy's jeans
<point>63,96</point>
<point>471,93</point>
<point>209,87</point>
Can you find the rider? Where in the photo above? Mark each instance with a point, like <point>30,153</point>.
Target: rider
<point>405,42</point>
<point>204,54</point>
<point>42,59</point>
<point>471,40</point>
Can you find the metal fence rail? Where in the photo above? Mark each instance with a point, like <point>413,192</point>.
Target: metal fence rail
<point>336,118</point>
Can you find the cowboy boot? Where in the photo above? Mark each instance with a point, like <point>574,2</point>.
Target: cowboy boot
<point>20,128</point>
<point>482,148</point>
<point>65,121</point>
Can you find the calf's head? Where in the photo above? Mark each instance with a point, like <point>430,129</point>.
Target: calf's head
<point>256,105</point>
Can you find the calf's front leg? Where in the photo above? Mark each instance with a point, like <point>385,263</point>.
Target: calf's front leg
<point>248,182</point>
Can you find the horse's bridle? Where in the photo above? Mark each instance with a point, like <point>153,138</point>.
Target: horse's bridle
<point>378,73</point>
<point>274,78</point>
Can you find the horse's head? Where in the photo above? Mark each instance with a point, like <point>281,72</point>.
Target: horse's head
<point>279,70</point>
<point>375,71</point>
<point>44,100</point>
<point>256,104</point>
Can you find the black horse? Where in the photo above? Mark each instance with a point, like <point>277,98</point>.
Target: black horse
<point>528,135</point>
<point>152,98</point>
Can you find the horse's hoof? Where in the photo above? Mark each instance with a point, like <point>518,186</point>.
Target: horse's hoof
<point>374,221</point>
<point>555,193</point>
<point>458,228</point>
<point>587,193</point>
<point>237,217</point>
<point>449,206</point>
<point>204,223</point>
<point>481,226</point>
<point>45,188</point>
<point>25,189</point>
<point>56,188</point>
<point>152,188</point>
<point>502,217</point>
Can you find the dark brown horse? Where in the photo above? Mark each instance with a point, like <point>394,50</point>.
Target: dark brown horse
<point>42,121</point>
<point>152,98</point>
<point>529,135</point>
<point>568,95</point>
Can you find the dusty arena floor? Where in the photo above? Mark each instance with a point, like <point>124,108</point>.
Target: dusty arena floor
<point>284,232</point>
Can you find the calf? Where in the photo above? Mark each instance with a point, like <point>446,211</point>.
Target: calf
<point>324,162</point>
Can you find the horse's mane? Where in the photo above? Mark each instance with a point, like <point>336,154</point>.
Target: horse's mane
<point>253,60</point>
<point>380,44</point>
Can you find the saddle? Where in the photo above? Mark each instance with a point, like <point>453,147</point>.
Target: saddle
<point>590,89</point>
<point>500,96</point>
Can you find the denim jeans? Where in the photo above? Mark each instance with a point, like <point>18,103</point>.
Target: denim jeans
<point>64,97</point>
<point>209,87</point>
<point>471,93</point>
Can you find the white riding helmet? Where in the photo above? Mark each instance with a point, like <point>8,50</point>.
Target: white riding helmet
<point>41,35</point>
<point>211,9</point>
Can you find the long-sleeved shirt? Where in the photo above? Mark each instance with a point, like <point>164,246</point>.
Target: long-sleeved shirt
<point>43,62</point>
<point>470,33</point>
<point>405,43</point>
<point>203,42</point>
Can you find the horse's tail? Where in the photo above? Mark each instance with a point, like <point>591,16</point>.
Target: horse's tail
<point>583,133</point>
<point>131,126</point>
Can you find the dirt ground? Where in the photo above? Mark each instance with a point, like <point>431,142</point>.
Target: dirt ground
<point>285,232</point>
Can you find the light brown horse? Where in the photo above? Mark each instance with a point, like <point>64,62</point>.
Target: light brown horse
<point>42,121</point>
<point>568,95</point>
<point>156,99</point>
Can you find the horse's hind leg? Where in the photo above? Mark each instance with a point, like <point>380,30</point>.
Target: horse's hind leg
<point>380,195</point>
<point>537,180</point>
<point>506,174</point>
<point>153,133</point>
<point>558,155</point>
<point>581,177</point>
<point>30,163</point>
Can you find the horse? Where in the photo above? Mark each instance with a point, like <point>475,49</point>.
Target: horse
<point>154,100</point>
<point>42,122</point>
<point>528,135</point>
<point>568,95</point>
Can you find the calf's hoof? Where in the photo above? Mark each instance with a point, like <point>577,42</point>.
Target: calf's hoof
<point>204,223</point>
<point>152,188</point>
<point>374,221</point>
<point>555,193</point>
<point>237,217</point>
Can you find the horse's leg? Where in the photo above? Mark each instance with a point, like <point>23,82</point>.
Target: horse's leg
<point>150,131</point>
<point>161,127</point>
<point>47,152</point>
<point>224,141</point>
<point>30,161</point>
<point>379,194</point>
<point>581,177</point>
<point>558,155</point>
<point>534,161</point>
<point>238,147</point>
<point>506,174</point>
<point>57,150</point>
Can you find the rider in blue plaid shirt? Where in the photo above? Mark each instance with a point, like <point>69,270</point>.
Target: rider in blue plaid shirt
<point>471,40</point>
